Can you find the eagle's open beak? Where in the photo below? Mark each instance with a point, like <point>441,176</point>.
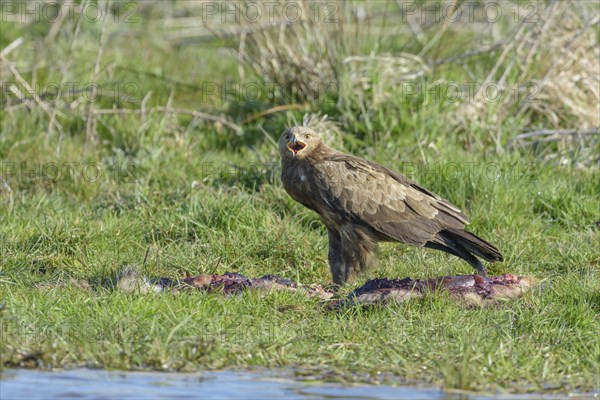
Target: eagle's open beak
<point>295,145</point>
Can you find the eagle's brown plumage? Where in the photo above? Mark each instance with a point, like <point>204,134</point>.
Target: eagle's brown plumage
<point>362,202</point>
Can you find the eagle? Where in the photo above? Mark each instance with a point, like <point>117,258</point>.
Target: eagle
<point>362,203</point>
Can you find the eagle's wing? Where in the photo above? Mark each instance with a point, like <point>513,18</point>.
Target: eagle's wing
<point>391,205</point>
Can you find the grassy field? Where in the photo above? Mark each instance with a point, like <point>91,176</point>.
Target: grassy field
<point>150,144</point>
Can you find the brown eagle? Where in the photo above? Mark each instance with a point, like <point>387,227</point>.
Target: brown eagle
<point>362,203</point>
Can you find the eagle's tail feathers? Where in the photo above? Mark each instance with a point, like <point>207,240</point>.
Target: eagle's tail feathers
<point>466,245</point>
<point>474,244</point>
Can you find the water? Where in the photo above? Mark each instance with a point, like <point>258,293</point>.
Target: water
<point>96,384</point>
<point>100,384</point>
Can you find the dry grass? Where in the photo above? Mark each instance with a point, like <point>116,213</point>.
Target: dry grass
<point>545,71</point>
<point>330,130</point>
<point>554,63</point>
<point>541,73</point>
<point>301,59</point>
<point>548,79</point>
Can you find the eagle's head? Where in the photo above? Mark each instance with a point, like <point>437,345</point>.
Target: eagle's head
<point>298,142</point>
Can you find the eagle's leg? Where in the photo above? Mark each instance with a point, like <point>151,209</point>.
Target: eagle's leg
<point>358,253</point>
<point>336,262</point>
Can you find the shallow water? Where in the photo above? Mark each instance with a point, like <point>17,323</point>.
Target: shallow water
<point>100,384</point>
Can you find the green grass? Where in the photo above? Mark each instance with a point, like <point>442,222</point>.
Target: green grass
<point>72,229</point>
<point>132,194</point>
